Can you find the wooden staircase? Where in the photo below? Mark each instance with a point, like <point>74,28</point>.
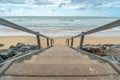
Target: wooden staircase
<point>60,63</point>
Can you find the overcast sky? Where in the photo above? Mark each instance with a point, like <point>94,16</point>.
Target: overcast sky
<point>110,8</point>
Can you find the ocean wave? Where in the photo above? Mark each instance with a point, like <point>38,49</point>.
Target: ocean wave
<point>116,29</point>
<point>62,32</point>
<point>58,26</point>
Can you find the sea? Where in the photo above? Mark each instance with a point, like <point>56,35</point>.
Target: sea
<point>57,26</point>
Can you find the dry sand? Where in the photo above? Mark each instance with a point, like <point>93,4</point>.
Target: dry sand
<point>58,41</point>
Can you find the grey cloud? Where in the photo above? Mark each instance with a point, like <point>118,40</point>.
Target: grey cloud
<point>77,1</point>
<point>13,1</point>
<point>5,10</point>
<point>61,4</point>
<point>89,3</point>
<point>1,11</point>
<point>43,2</point>
<point>34,2</point>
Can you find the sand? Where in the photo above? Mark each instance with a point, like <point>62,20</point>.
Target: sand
<point>58,41</point>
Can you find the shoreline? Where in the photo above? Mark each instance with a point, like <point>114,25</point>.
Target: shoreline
<point>62,32</point>
<point>59,41</point>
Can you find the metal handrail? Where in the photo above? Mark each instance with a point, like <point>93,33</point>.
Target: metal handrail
<point>21,28</point>
<point>101,28</point>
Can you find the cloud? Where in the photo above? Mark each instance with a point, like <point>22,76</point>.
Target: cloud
<point>3,9</point>
<point>13,1</point>
<point>81,4</point>
<point>90,4</point>
<point>86,4</point>
<point>14,6</point>
<point>69,4</point>
<point>115,4</point>
<point>43,2</point>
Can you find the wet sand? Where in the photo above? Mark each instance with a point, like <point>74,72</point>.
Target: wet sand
<point>58,41</point>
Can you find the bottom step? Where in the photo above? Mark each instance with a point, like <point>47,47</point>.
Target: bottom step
<point>60,78</point>
<point>58,69</point>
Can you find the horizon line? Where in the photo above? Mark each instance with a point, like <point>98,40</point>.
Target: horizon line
<point>61,16</point>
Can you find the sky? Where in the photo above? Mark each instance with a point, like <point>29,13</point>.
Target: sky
<point>107,8</point>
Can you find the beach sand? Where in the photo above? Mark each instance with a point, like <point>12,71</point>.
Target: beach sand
<point>58,41</point>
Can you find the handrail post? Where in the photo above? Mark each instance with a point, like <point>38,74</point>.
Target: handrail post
<point>38,40</point>
<point>81,41</point>
<point>51,42</point>
<point>47,42</point>
<point>68,42</point>
<point>72,42</point>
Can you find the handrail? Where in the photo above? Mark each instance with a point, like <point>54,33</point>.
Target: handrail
<point>18,27</point>
<point>104,27</point>
<point>15,26</point>
<point>21,28</point>
<point>101,28</point>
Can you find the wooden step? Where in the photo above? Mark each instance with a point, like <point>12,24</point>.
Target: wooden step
<point>60,54</point>
<point>58,58</point>
<point>60,70</point>
<point>50,57</point>
<point>59,78</point>
<point>61,61</point>
<point>60,51</point>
